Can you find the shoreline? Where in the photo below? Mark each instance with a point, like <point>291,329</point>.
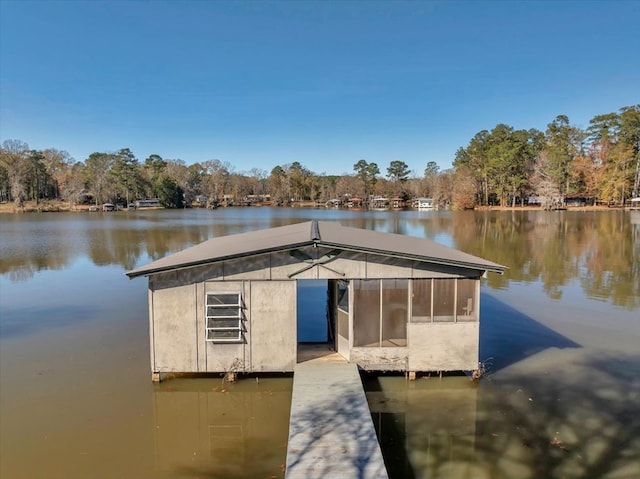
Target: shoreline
<point>61,206</point>
<point>566,208</point>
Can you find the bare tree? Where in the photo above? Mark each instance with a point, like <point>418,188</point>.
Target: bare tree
<point>14,156</point>
<point>98,176</point>
<point>464,189</point>
<point>349,186</point>
<point>57,164</point>
<point>218,178</point>
<point>443,193</point>
<point>545,186</point>
<point>278,184</point>
<point>72,184</point>
<point>258,181</point>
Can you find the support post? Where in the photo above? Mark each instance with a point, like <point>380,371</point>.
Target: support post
<point>155,377</point>
<point>412,375</point>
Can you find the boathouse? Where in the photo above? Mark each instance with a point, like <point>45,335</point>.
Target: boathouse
<point>423,203</point>
<point>394,302</point>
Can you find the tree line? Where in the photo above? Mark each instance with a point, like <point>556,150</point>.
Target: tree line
<point>600,164</point>
<point>120,177</point>
<point>502,166</point>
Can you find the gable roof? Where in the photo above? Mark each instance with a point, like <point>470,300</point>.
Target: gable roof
<point>315,233</point>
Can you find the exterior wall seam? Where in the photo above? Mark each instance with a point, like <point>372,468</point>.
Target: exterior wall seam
<point>247,349</point>
<point>152,331</point>
<point>196,329</point>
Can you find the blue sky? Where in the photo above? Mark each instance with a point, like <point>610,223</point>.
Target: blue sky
<point>260,84</point>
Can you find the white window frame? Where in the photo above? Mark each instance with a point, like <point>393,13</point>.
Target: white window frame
<point>210,330</point>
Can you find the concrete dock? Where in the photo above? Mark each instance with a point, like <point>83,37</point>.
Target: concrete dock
<point>331,434</point>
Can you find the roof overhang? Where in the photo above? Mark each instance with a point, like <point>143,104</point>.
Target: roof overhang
<point>316,234</point>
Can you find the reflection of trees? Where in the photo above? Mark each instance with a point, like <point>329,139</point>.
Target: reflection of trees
<point>599,249</point>
<point>124,238</point>
<point>554,248</point>
<point>613,264</point>
<point>420,420</point>
<point>21,273</point>
<point>579,421</point>
<point>583,424</point>
<point>124,246</point>
<point>106,239</point>
<point>37,247</point>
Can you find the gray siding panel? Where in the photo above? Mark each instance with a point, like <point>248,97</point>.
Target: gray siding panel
<point>253,267</point>
<point>386,267</point>
<point>200,328</point>
<point>443,346</point>
<point>174,313</point>
<point>273,340</point>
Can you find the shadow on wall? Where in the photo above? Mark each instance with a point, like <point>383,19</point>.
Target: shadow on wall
<point>508,336</point>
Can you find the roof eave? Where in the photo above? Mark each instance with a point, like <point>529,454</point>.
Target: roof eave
<point>147,272</point>
<point>422,259</point>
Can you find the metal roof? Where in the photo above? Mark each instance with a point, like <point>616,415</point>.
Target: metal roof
<point>316,233</point>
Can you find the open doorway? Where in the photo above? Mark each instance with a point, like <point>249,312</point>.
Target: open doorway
<point>314,321</point>
<point>312,311</point>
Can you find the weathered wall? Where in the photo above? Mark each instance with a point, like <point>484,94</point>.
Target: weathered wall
<point>380,359</point>
<point>273,330</point>
<point>443,346</point>
<point>174,325</point>
<point>269,328</point>
<point>222,357</point>
<point>268,287</point>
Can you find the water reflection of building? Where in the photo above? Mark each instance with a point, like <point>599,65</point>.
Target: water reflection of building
<point>634,219</point>
<point>424,426</point>
<point>202,428</point>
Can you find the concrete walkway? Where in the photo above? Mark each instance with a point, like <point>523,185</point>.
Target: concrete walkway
<point>331,434</point>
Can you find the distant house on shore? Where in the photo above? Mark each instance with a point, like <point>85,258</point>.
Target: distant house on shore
<point>355,202</point>
<point>257,200</point>
<point>398,202</point>
<point>394,302</point>
<point>380,203</point>
<point>148,203</point>
<point>423,203</point>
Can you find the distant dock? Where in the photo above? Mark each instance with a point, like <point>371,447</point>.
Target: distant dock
<point>331,433</point>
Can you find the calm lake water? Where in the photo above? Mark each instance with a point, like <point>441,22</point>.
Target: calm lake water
<point>560,339</point>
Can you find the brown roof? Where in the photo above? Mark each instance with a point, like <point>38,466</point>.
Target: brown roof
<point>318,233</point>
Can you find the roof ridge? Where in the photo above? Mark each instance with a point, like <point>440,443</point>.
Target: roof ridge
<point>315,231</point>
